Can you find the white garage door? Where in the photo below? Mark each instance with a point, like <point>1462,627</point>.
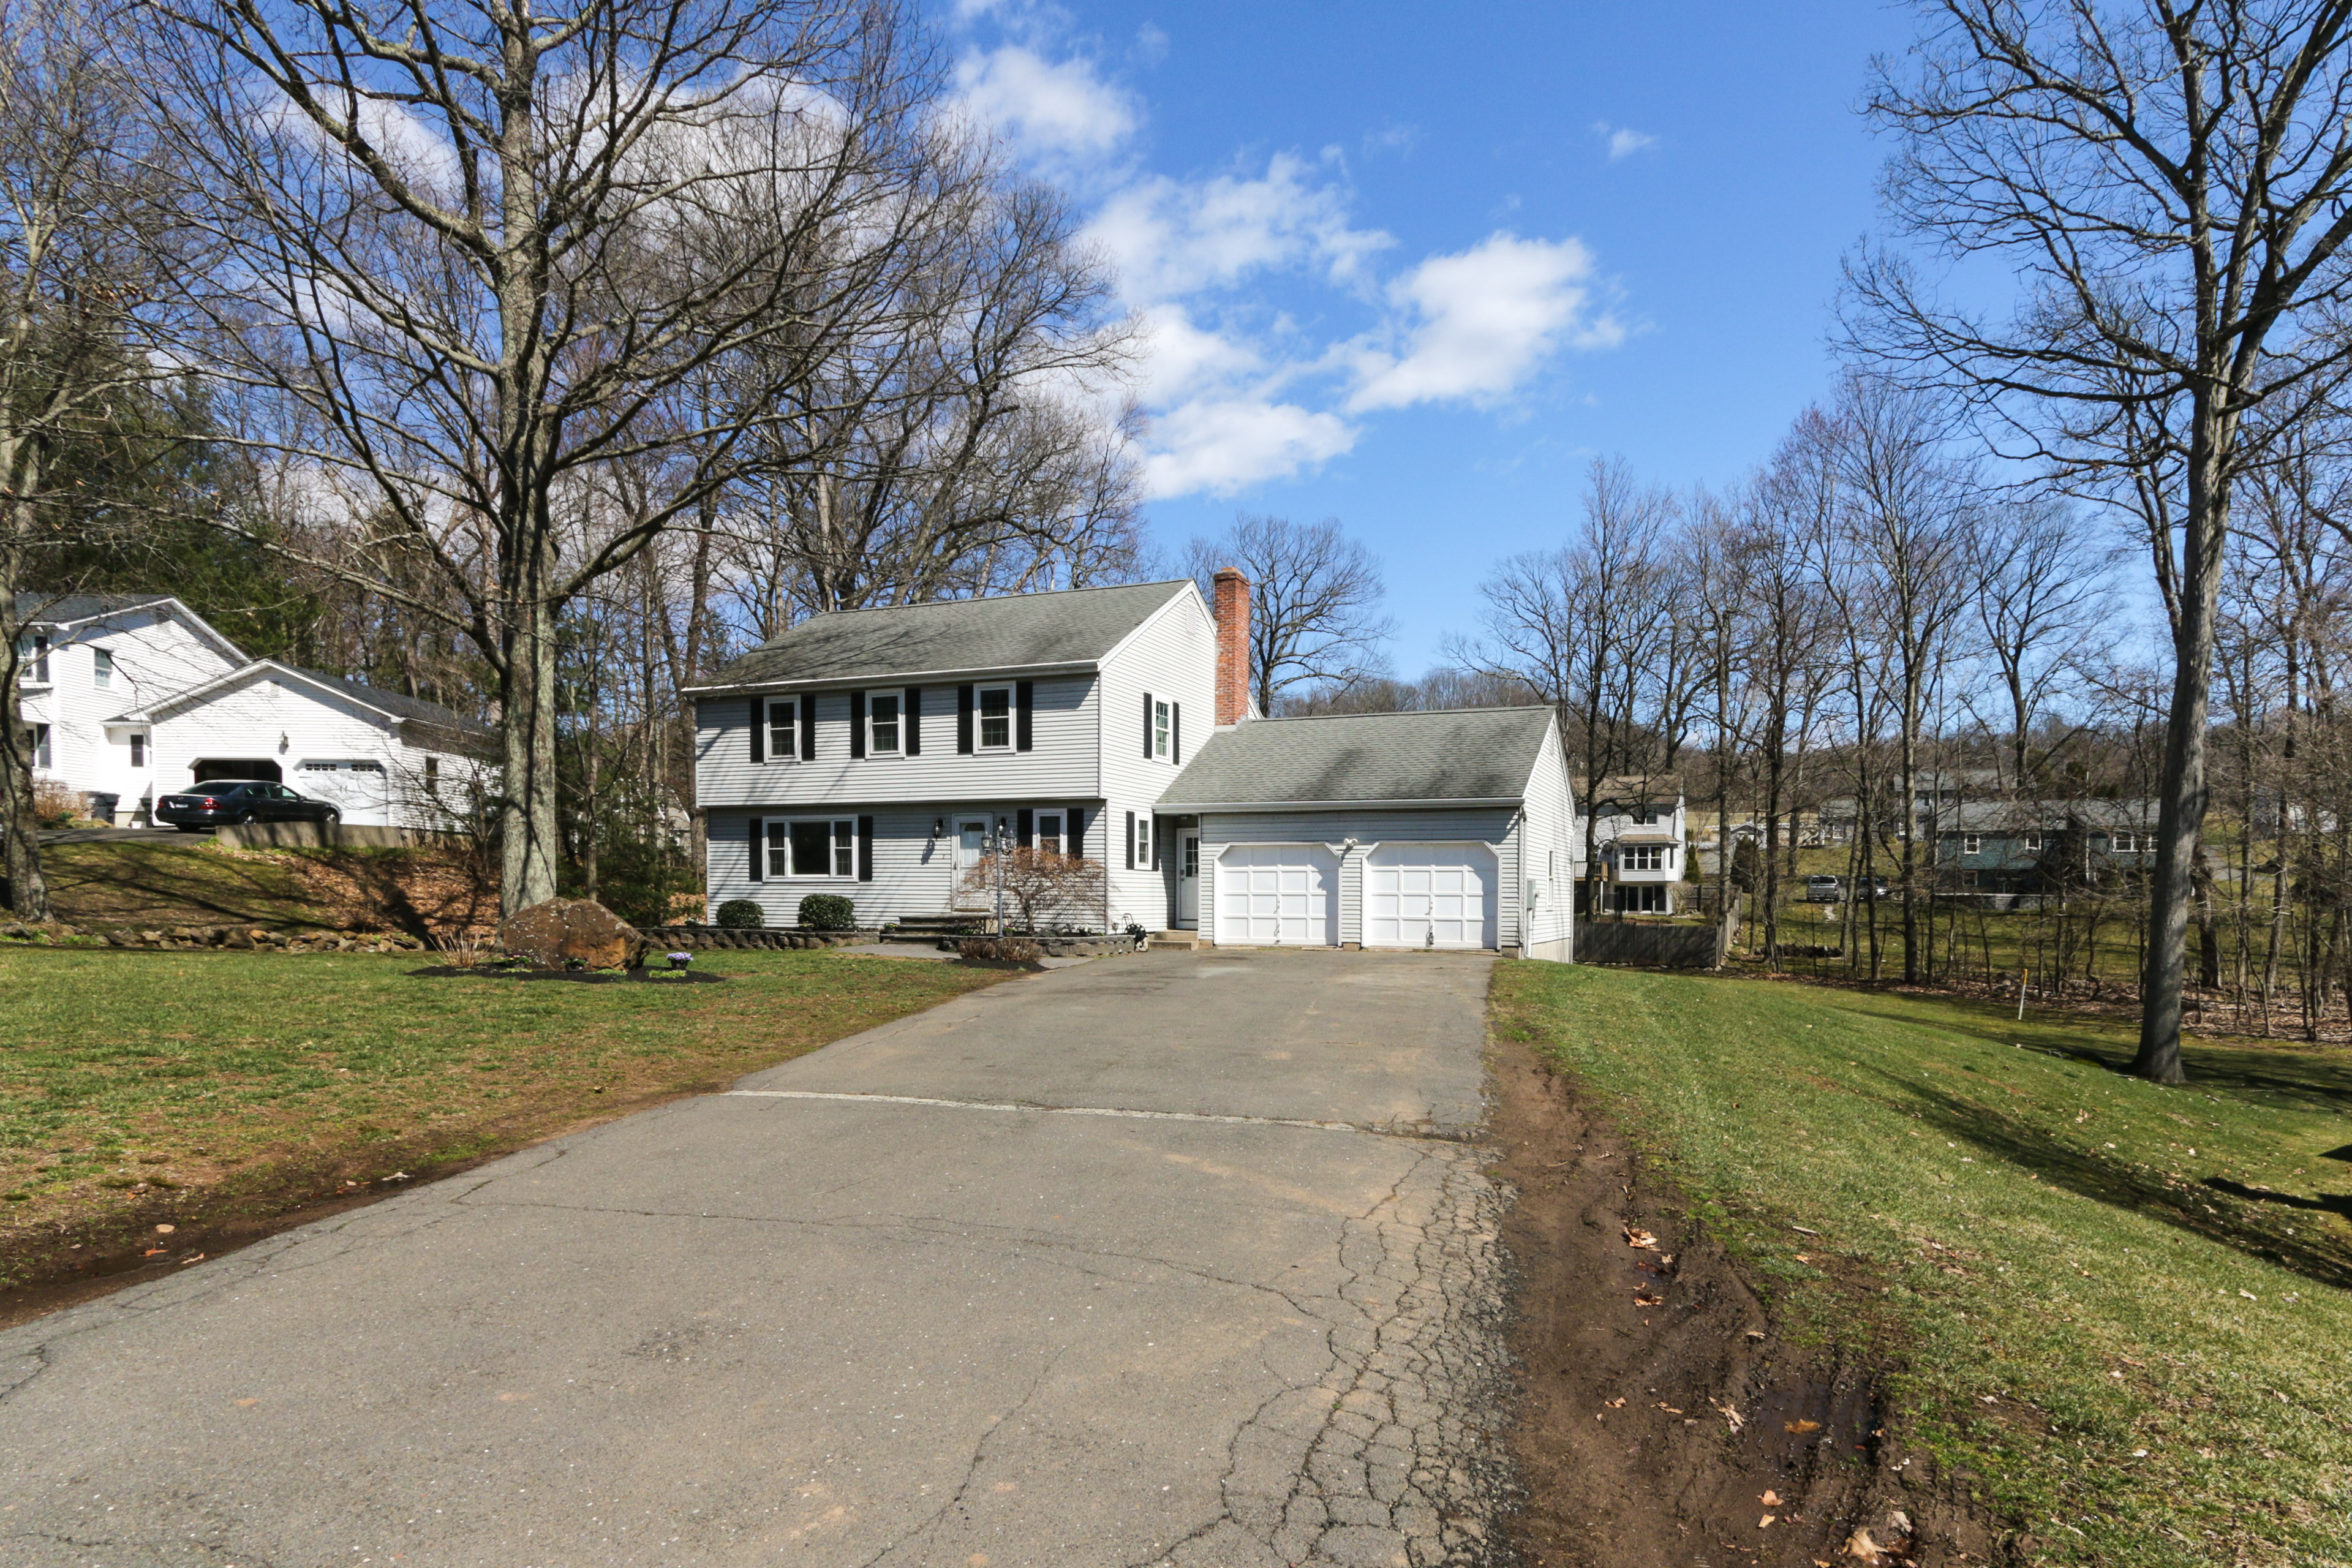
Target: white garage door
<point>1285,893</point>
<point>1430,895</point>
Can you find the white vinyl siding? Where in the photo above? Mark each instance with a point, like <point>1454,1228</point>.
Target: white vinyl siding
<point>1059,767</point>
<point>1172,658</point>
<point>1546,887</point>
<point>914,871</point>
<point>152,653</point>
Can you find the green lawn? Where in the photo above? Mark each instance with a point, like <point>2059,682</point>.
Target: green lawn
<point>136,1086</point>
<point>2138,1368</point>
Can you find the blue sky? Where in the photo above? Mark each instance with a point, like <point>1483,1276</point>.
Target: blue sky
<point>1414,266</point>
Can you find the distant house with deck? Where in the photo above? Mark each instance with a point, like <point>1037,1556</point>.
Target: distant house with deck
<point>1638,831</point>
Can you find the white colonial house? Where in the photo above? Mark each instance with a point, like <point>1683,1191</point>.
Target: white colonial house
<point>876,753</point>
<point>129,696</point>
<point>1639,834</point>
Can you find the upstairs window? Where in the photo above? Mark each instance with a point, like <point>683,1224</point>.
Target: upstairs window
<point>783,730</point>
<point>2032,843</point>
<point>1162,724</point>
<point>1645,816</point>
<point>997,717</point>
<point>882,710</point>
<point>33,657</point>
<point>101,668</point>
<point>1641,857</point>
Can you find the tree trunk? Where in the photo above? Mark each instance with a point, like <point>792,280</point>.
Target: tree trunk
<point>20,840</point>
<point>528,849</point>
<point>2182,794</point>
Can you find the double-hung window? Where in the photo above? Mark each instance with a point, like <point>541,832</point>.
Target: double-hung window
<point>1049,832</point>
<point>2032,844</point>
<point>1163,725</point>
<point>882,723</point>
<point>33,657</point>
<point>997,717</point>
<point>1143,838</point>
<point>1645,816</point>
<point>1641,857</point>
<point>827,847</point>
<point>1971,844</point>
<point>2125,844</point>
<point>138,750</point>
<point>783,730</point>
<point>41,746</point>
<point>101,668</point>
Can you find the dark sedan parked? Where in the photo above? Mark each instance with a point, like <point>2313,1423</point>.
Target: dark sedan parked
<point>220,803</point>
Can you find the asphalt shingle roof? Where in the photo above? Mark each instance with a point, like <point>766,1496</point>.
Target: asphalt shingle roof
<point>2026,816</point>
<point>1010,632</point>
<point>59,609</point>
<point>397,703</point>
<point>1470,754</point>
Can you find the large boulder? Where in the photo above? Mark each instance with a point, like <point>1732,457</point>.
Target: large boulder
<point>562,932</point>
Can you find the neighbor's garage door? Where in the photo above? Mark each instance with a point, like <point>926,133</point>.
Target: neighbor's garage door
<point>1286,893</point>
<point>1430,895</point>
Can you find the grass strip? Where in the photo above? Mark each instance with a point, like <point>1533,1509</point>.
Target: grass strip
<point>2124,1310</point>
<point>135,1085</point>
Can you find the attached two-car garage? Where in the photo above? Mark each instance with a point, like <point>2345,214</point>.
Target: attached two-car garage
<point>1417,831</point>
<point>1413,895</point>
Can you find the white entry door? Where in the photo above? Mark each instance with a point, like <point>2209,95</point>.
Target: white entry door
<point>1430,895</point>
<point>1285,894</point>
<point>1188,881</point>
<point>970,845</point>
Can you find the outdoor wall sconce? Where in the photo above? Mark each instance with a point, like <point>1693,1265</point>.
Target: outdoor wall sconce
<point>938,827</point>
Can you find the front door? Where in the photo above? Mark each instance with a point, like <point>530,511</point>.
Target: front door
<point>970,844</point>
<point>1188,881</point>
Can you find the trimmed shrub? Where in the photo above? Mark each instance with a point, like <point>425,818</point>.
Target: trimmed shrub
<point>742,914</point>
<point>827,911</point>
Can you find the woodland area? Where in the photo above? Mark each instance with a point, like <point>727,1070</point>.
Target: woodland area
<point>539,365</point>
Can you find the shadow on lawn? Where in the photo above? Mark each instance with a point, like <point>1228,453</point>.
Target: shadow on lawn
<point>2286,1074</point>
<point>138,882</point>
<point>2219,1210</point>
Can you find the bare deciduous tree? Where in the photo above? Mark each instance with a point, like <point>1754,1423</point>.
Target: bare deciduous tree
<point>477,254</point>
<point>1314,602</point>
<point>2173,186</point>
<point>84,244</point>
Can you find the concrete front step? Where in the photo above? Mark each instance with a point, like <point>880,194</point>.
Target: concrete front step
<point>1176,938</point>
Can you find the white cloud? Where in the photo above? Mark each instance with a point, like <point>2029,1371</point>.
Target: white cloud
<point>1050,107</point>
<point>1224,445</point>
<point>1171,237</point>
<point>1479,322</point>
<point>1181,360</point>
<point>1624,140</point>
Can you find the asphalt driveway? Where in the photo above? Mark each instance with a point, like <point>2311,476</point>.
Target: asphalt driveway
<point>1170,1258</point>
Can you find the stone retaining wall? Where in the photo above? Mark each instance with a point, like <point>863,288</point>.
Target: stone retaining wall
<point>757,938</point>
<point>247,939</point>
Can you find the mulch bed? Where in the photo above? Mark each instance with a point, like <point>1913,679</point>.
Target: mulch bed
<point>583,976</point>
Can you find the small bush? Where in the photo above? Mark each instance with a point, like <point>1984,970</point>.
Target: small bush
<point>742,914</point>
<point>829,911</point>
<point>999,949</point>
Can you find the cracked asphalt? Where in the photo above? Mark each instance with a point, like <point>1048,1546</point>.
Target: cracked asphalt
<point>1178,1259</point>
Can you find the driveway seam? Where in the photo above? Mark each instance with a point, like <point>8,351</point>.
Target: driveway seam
<point>1376,1130</point>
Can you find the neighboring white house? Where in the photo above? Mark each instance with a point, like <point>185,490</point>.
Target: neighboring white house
<point>1639,834</point>
<point>874,753</point>
<point>130,695</point>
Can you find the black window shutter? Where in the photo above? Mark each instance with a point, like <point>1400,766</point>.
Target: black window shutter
<point>758,729</point>
<point>864,848</point>
<point>1024,702</point>
<point>759,850</point>
<point>1130,841</point>
<point>1176,732</point>
<point>963,718</point>
<point>911,718</point>
<point>808,727</point>
<point>857,723</point>
<point>1076,841</point>
<point>1025,823</point>
<point>1147,726</point>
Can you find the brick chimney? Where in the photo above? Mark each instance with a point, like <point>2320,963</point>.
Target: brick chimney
<point>1232,612</point>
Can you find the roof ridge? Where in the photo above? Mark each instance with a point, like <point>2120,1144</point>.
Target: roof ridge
<point>1402,713</point>
<point>985,599</point>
